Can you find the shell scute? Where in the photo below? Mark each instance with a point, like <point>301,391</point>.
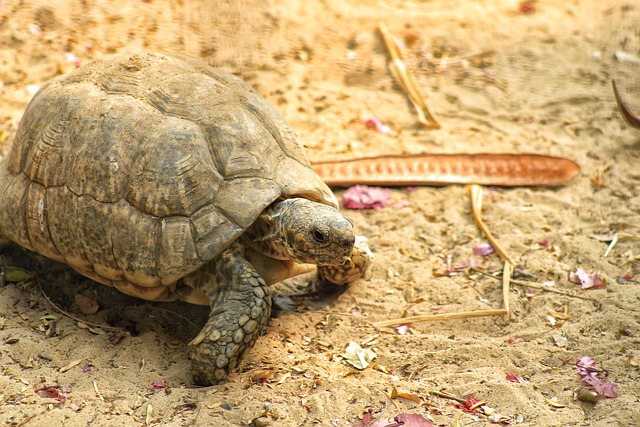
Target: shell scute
<point>212,230</point>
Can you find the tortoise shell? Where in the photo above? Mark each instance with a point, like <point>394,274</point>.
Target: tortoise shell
<point>136,170</point>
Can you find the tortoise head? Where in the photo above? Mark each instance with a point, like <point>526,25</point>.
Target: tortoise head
<point>314,233</point>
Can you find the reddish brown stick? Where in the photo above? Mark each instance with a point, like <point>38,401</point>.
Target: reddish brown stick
<point>628,117</point>
<point>509,170</point>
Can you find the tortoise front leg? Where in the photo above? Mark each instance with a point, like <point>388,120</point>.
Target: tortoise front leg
<point>352,269</point>
<point>240,308</point>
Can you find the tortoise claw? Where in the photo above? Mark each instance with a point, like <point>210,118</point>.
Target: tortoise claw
<point>352,269</point>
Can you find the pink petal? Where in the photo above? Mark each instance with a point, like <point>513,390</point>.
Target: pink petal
<point>516,379</point>
<point>606,388</point>
<point>158,384</point>
<point>378,125</point>
<point>402,204</point>
<point>364,197</point>
<point>483,249</point>
<point>584,279</point>
<point>71,58</point>
<point>403,329</point>
<point>405,420</point>
<point>586,368</point>
<point>413,420</point>
<point>586,362</point>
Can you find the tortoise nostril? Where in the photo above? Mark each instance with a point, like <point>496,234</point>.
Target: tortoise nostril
<point>348,241</point>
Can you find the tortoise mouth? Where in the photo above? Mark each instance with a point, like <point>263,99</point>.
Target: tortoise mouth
<point>336,252</point>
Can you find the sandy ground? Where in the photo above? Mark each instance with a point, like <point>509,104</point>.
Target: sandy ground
<point>544,87</point>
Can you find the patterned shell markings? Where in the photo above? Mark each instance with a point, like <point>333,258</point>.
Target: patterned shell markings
<point>143,168</point>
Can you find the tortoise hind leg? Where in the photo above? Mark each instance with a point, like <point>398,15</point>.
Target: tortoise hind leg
<point>240,308</point>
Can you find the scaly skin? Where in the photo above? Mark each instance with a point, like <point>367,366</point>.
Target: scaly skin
<point>303,231</point>
<point>350,270</point>
<point>238,315</point>
<point>296,229</point>
<point>306,282</point>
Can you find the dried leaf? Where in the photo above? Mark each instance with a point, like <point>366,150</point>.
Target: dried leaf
<point>149,416</point>
<point>284,378</point>
<point>16,275</point>
<point>380,368</point>
<point>86,305</point>
<point>560,341</point>
<point>262,375</point>
<point>357,357</point>
<point>52,391</point>
<point>558,315</point>
<point>554,403</point>
<point>70,365</point>
<point>409,396</point>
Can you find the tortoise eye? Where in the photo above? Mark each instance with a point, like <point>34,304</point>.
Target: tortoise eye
<point>319,236</point>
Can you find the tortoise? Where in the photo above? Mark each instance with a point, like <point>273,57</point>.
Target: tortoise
<point>171,180</point>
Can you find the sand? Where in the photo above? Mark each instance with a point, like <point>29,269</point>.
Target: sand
<point>543,87</point>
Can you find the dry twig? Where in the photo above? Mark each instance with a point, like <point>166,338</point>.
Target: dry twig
<point>407,83</point>
<point>476,202</point>
<point>70,316</point>
<point>534,286</point>
<point>628,117</point>
<point>95,387</point>
<point>506,287</point>
<point>445,316</point>
<point>476,206</point>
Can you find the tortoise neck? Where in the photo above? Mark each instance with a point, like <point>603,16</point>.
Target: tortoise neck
<point>266,234</point>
